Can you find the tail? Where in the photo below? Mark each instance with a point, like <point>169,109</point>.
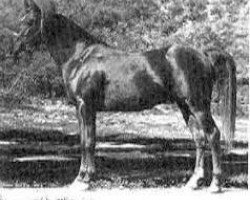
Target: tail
<point>225,78</point>
<point>229,102</point>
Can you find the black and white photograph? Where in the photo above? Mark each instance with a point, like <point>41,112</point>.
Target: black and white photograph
<point>124,99</point>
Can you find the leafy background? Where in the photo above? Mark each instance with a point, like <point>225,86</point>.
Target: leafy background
<point>131,25</point>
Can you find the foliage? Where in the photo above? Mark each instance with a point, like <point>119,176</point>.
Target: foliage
<point>133,26</point>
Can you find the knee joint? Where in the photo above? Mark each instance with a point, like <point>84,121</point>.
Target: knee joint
<point>200,142</point>
<point>214,136</point>
<point>89,143</point>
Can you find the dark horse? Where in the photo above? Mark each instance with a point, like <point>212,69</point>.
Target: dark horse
<point>101,78</point>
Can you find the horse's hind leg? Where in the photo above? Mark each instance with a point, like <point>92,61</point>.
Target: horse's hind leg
<point>193,122</point>
<point>204,129</point>
<point>213,137</point>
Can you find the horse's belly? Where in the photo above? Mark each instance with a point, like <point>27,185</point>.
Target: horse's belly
<point>127,96</point>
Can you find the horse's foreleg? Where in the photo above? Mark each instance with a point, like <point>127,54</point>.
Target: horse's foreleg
<point>86,119</point>
<point>90,140</point>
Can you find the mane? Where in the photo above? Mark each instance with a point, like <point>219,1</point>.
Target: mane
<point>214,51</point>
<point>59,26</point>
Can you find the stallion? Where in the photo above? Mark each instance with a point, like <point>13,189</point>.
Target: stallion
<point>98,77</point>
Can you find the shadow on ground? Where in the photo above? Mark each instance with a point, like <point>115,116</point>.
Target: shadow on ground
<point>49,158</point>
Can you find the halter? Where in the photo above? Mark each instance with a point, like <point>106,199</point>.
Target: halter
<point>27,40</point>
<point>39,31</point>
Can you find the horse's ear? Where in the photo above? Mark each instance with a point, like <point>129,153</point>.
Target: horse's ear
<point>30,5</point>
<point>44,7</point>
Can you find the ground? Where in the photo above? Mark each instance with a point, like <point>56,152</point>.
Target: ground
<point>138,152</point>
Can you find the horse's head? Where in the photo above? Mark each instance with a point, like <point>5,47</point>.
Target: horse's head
<point>31,35</point>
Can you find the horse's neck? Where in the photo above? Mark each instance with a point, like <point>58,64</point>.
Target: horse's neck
<point>63,36</point>
<point>62,54</point>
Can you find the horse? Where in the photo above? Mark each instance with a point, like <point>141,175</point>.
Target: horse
<point>99,77</point>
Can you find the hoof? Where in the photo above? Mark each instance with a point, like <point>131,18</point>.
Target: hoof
<point>214,187</point>
<point>79,185</point>
<point>194,183</point>
<point>192,187</point>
